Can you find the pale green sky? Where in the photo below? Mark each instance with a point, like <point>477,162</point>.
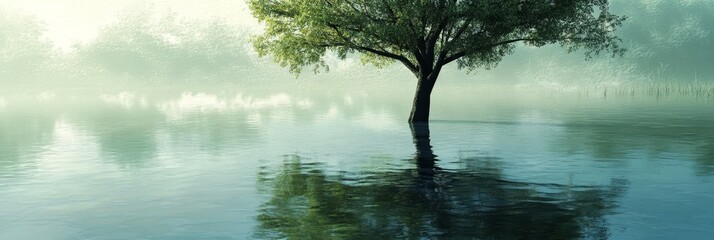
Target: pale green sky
<point>70,21</point>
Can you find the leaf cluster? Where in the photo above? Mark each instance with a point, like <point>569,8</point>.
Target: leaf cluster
<point>424,35</point>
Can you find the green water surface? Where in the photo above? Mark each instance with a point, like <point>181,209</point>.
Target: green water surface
<point>346,165</point>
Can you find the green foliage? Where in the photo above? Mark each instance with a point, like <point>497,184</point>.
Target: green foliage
<point>427,34</point>
<point>144,44</point>
<point>23,49</point>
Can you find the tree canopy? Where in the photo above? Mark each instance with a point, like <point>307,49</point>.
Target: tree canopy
<point>428,34</point>
<point>425,35</point>
<point>23,49</point>
<point>142,44</point>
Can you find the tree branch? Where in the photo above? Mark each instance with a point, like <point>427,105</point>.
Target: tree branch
<point>460,54</point>
<point>465,52</point>
<point>397,57</point>
<point>412,67</point>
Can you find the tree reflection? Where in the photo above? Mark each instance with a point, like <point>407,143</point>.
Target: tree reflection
<point>124,136</point>
<point>428,202</point>
<point>650,134</point>
<point>705,160</point>
<point>23,132</point>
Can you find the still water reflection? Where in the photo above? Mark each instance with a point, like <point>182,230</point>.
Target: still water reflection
<point>345,166</point>
<point>427,201</point>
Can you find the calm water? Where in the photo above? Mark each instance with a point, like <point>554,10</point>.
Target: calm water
<point>202,165</point>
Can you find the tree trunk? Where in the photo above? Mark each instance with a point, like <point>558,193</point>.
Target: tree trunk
<point>422,141</point>
<point>422,99</point>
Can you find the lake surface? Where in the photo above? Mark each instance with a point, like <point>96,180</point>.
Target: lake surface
<point>336,165</point>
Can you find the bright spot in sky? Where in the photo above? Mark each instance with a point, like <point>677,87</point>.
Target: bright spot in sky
<point>77,21</point>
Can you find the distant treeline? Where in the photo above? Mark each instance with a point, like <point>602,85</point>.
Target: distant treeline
<point>138,45</point>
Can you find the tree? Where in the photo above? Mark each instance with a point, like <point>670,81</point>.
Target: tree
<point>140,44</point>
<point>24,52</point>
<point>425,35</point>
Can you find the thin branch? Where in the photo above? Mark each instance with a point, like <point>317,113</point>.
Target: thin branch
<point>382,53</point>
<point>460,54</point>
<point>465,52</point>
<point>398,57</point>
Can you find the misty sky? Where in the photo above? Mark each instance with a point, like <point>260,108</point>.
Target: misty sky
<point>70,21</point>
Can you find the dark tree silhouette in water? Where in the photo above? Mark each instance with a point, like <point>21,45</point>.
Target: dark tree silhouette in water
<point>428,202</point>
<point>426,35</point>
